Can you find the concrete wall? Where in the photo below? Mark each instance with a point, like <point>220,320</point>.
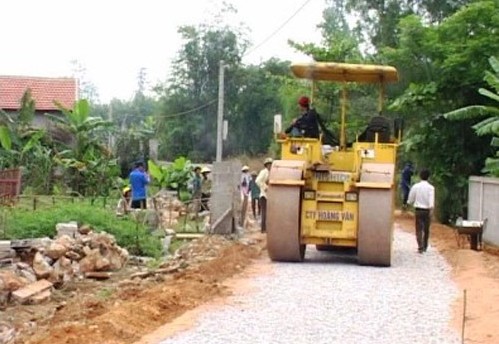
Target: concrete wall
<point>483,203</point>
<point>225,201</point>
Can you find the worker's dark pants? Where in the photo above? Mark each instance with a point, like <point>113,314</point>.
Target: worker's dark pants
<point>255,206</point>
<point>263,212</point>
<point>422,228</point>
<point>405,194</point>
<point>139,204</point>
<point>205,197</point>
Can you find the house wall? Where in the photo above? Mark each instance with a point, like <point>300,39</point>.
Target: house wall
<point>39,121</point>
<point>483,203</point>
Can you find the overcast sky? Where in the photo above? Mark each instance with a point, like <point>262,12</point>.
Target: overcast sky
<point>113,39</point>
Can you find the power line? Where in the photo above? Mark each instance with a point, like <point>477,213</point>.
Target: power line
<point>276,31</point>
<point>279,28</point>
<point>188,112</point>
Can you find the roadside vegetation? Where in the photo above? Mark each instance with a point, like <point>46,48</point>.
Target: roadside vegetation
<point>445,51</point>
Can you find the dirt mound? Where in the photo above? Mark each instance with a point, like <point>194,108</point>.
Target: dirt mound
<point>126,310</point>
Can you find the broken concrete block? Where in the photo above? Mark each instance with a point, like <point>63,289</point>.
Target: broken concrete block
<point>24,294</point>
<point>68,229</point>
<point>9,281</point>
<point>41,267</point>
<point>56,251</point>
<point>40,297</point>
<point>4,246</point>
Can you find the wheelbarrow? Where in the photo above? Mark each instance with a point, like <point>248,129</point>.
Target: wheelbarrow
<point>473,231</point>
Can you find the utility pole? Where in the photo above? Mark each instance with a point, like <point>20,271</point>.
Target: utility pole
<point>220,115</point>
<point>111,137</point>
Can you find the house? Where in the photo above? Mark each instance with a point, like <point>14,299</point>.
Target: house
<point>44,92</point>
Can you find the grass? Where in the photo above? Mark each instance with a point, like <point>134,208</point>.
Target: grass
<point>185,225</point>
<point>21,223</point>
<point>105,293</point>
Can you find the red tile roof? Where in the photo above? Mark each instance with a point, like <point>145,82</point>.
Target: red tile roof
<point>43,90</point>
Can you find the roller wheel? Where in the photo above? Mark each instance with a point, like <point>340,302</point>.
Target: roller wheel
<point>283,216</point>
<point>375,234</point>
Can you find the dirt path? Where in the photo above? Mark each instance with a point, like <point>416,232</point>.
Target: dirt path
<point>131,312</point>
<point>473,271</point>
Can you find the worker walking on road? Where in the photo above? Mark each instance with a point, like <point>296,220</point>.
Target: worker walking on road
<point>422,196</point>
<point>263,182</point>
<point>405,183</point>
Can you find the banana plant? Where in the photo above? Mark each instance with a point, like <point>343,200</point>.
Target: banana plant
<point>489,125</point>
<point>82,156</point>
<point>175,176</point>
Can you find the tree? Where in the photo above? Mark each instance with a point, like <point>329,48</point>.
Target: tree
<point>90,166</point>
<point>86,88</point>
<point>489,125</point>
<point>378,19</point>
<point>188,111</point>
<point>258,100</point>
<point>339,42</point>
<point>442,66</point>
<point>27,147</point>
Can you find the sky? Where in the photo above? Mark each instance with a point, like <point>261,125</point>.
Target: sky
<point>114,39</point>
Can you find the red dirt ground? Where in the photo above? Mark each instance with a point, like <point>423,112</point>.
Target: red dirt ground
<point>125,314</point>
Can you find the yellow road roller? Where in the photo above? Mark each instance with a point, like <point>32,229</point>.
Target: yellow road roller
<point>341,195</point>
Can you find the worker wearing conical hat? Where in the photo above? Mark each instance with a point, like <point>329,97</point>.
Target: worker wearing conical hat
<point>263,181</point>
<point>205,188</point>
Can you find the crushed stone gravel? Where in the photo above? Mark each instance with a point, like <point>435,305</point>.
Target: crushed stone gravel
<point>330,299</point>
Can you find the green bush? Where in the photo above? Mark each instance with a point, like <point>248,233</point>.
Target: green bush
<point>22,224</point>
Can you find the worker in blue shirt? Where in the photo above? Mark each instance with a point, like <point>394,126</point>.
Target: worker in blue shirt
<point>138,182</point>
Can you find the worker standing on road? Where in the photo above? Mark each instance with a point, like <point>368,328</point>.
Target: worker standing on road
<point>244,187</point>
<point>255,195</point>
<point>263,182</point>
<point>405,183</point>
<point>422,196</point>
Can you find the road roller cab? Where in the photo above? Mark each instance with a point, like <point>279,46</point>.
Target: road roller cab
<point>335,196</point>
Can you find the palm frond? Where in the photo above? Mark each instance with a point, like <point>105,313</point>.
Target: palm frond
<point>489,126</point>
<point>494,63</point>
<point>472,111</point>
<point>487,93</point>
<point>492,79</point>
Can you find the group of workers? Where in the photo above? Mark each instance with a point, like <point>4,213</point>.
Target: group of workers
<point>253,187</point>
<point>200,187</point>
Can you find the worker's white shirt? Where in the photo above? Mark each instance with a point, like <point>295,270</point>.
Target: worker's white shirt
<point>261,181</point>
<point>422,195</point>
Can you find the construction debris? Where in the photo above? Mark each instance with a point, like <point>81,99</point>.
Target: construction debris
<point>35,263</point>
<point>37,291</point>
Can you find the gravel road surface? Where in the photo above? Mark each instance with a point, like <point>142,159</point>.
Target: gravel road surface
<point>331,299</point>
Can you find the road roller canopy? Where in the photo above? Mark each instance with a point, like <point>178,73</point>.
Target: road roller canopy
<point>345,72</point>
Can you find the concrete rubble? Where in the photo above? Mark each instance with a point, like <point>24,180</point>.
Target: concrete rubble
<point>35,266</point>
